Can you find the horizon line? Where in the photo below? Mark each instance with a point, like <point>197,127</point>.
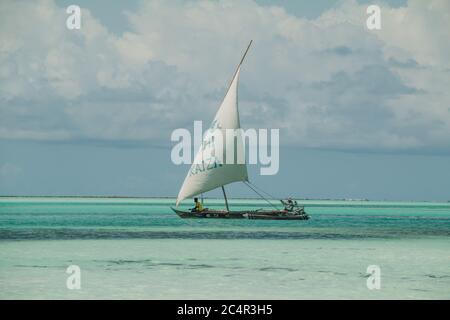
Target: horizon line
<point>215,198</point>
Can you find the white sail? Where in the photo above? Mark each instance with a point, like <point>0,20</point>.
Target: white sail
<point>210,169</point>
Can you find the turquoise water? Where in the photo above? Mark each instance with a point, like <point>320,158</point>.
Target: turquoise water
<point>137,248</point>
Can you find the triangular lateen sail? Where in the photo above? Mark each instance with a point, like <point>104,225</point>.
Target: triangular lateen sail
<point>210,169</point>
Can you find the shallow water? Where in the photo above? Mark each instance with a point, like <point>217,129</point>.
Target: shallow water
<point>137,248</point>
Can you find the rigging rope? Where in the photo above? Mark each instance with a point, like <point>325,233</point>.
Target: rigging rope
<point>261,190</point>
<point>247,183</point>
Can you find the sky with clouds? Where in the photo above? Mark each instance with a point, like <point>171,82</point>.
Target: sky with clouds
<point>136,70</point>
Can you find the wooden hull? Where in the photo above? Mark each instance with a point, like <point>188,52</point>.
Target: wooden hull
<point>253,215</point>
<point>212,214</point>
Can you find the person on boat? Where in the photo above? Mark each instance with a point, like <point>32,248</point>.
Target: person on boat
<point>288,204</point>
<point>198,206</point>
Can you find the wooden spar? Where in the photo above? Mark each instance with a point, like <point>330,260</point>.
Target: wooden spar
<point>240,63</point>
<point>234,75</point>
<point>226,200</point>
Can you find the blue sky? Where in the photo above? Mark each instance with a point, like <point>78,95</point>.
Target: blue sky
<point>362,114</point>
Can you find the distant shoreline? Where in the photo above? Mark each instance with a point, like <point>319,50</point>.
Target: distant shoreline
<point>214,198</point>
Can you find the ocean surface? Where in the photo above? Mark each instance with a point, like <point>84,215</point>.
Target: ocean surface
<point>136,248</point>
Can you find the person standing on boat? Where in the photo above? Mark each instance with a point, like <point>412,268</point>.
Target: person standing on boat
<point>198,206</point>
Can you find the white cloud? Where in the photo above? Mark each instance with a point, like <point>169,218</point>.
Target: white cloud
<point>327,82</point>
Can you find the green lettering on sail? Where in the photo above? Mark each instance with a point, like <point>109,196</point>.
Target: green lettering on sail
<point>208,144</point>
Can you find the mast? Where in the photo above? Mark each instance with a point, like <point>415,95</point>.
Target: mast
<point>226,200</point>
